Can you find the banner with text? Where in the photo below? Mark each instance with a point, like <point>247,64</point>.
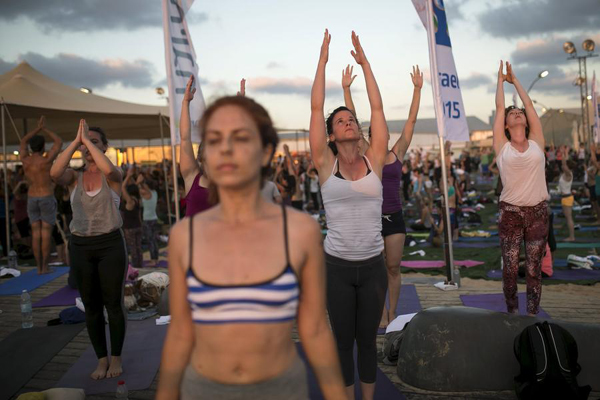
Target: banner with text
<point>181,64</point>
<point>448,104</point>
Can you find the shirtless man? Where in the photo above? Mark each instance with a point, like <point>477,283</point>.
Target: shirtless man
<point>41,204</point>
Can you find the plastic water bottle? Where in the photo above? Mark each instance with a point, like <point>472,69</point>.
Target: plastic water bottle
<point>12,259</point>
<point>122,392</point>
<point>26,315</point>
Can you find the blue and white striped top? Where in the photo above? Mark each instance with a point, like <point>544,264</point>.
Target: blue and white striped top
<point>274,300</point>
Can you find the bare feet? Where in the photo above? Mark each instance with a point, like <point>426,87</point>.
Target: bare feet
<point>100,372</point>
<point>569,240</point>
<point>116,368</point>
<point>46,271</point>
<point>384,319</point>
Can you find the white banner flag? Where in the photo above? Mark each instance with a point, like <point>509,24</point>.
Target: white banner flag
<point>181,64</point>
<point>448,104</point>
<point>596,129</point>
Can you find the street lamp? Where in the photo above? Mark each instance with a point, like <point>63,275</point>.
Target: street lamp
<point>85,90</point>
<point>541,75</point>
<point>581,80</point>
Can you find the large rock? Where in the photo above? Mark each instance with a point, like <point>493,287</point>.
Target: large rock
<point>463,349</point>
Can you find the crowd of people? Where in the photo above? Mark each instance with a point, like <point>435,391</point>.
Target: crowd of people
<point>247,262</point>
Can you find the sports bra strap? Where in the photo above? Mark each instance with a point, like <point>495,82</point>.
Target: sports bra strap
<point>191,240</point>
<point>285,235</point>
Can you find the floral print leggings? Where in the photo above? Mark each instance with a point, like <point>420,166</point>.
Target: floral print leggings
<point>517,224</point>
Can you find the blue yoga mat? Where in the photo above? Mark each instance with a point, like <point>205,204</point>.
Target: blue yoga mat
<point>29,281</point>
<point>562,262</point>
<point>496,302</point>
<point>560,274</point>
<point>384,388</point>
<point>576,245</point>
<point>408,303</point>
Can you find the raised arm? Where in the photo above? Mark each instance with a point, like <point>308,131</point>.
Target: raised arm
<point>565,166</point>
<point>499,138</point>
<point>347,80</point>
<point>23,150</point>
<point>403,143</point>
<point>56,146</point>
<point>290,160</point>
<point>112,173</point>
<point>593,158</point>
<point>533,120</point>
<point>60,172</point>
<point>188,164</point>
<point>129,201</point>
<point>378,148</point>
<point>317,133</point>
<point>242,91</point>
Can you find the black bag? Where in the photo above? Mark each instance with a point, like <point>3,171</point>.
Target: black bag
<point>548,355</point>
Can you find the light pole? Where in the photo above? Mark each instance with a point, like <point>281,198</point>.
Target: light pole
<point>541,75</point>
<point>581,81</point>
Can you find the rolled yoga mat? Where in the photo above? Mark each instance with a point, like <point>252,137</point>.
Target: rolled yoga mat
<point>29,281</point>
<point>141,358</point>
<point>62,297</point>
<point>463,349</point>
<point>560,274</point>
<point>384,388</point>
<point>408,303</point>
<point>496,302</point>
<point>25,351</point>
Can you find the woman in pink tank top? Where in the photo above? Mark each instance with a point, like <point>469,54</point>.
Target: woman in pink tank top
<point>518,142</point>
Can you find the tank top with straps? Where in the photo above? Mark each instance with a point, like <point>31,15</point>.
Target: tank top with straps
<point>271,301</point>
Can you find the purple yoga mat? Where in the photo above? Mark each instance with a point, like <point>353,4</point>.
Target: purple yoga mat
<point>560,274</point>
<point>141,358</point>
<point>417,264</point>
<point>384,388</point>
<point>496,302</point>
<point>159,264</point>
<point>62,297</point>
<point>408,303</point>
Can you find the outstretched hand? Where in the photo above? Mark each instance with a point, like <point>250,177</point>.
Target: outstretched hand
<point>242,91</point>
<point>324,56</point>
<point>347,77</point>
<point>417,77</point>
<point>358,52</point>
<point>509,76</point>
<point>42,122</point>
<point>189,92</point>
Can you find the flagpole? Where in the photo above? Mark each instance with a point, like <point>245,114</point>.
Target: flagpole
<point>164,165</point>
<point>453,273</point>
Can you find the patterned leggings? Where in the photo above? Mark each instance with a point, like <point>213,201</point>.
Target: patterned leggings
<point>515,225</point>
<point>133,238</point>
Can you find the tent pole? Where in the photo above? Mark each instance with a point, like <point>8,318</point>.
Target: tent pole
<point>7,217</point>
<point>162,141</point>
<point>451,268</point>
<point>12,121</point>
<point>175,183</point>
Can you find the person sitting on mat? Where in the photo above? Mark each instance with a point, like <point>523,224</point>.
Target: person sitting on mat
<point>519,142</point>
<point>240,278</point>
<point>97,247</point>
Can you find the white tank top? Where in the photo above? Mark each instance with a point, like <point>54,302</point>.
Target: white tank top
<point>523,175</point>
<point>353,210</point>
<point>564,186</point>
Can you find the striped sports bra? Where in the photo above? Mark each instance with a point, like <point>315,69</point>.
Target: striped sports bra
<point>274,300</point>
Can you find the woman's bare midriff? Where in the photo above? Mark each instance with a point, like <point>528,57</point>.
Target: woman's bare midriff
<point>242,353</point>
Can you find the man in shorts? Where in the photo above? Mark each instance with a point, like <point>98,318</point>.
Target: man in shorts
<point>41,203</point>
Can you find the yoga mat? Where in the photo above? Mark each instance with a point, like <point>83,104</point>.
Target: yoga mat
<point>575,245</point>
<point>560,274</point>
<point>159,264</point>
<point>588,228</point>
<point>492,239</point>
<point>62,297</point>
<point>29,281</point>
<point>25,351</point>
<point>141,358</point>
<point>417,264</point>
<point>562,262</point>
<point>384,388</point>
<point>408,303</point>
<point>477,245</point>
<point>496,302</point>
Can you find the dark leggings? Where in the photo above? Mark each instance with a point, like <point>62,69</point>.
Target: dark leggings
<point>150,235</point>
<point>517,224</point>
<point>355,299</point>
<point>133,239</point>
<point>99,264</point>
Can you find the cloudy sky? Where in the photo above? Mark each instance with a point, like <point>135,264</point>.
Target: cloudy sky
<point>116,48</point>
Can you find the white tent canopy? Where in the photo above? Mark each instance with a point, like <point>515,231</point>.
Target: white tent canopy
<point>28,94</point>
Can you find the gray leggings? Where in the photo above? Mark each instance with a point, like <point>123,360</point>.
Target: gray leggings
<point>290,385</point>
<point>355,299</point>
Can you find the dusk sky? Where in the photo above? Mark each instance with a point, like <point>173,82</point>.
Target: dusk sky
<point>116,47</point>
